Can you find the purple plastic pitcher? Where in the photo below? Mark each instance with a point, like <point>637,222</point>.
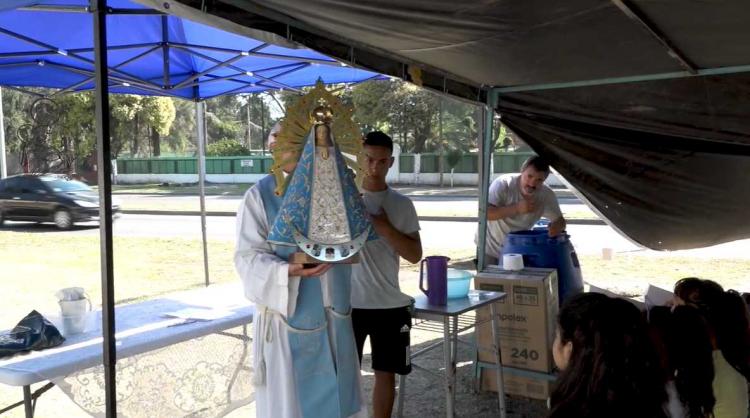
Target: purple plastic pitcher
<point>437,279</point>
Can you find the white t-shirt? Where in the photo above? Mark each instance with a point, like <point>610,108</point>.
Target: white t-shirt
<point>506,191</point>
<point>375,277</point>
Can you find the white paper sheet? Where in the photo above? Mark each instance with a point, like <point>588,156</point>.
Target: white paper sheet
<point>656,296</point>
<point>198,314</point>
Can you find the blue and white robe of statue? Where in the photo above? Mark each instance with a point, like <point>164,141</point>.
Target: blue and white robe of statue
<point>304,355</point>
<point>323,205</point>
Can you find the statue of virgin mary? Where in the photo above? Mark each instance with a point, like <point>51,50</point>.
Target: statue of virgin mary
<point>322,211</point>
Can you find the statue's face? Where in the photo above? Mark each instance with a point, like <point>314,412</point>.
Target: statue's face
<point>322,135</point>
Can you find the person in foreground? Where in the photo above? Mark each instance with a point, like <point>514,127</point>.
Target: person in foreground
<point>517,202</point>
<point>682,338</point>
<point>609,367</point>
<point>729,329</point>
<point>303,365</point>
<point>381,310</point>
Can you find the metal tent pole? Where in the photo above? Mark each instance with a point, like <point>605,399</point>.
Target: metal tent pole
<point>3,159</point>
<point>200,113</point>
<point>485,156</point>
<point>104,170</point>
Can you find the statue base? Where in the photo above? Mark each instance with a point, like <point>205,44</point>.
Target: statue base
<point>303,258</point>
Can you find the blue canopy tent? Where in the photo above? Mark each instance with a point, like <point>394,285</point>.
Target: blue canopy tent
<point>49,43</point>
<point>122,47</point>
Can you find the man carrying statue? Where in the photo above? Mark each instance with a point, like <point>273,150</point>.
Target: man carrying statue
<point>298,231</point>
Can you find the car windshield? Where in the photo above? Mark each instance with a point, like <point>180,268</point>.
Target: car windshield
<point>60,185</point>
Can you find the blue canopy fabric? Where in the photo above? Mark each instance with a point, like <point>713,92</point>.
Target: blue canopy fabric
<point>49,43</point>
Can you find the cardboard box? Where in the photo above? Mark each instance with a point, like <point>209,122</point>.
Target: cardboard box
<point>527,317</point>
<point>527,387</point>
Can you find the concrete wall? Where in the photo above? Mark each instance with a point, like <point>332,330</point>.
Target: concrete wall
<point>186,178</point>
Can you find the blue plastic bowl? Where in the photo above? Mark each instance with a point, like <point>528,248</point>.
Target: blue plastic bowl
<point>458,283</point>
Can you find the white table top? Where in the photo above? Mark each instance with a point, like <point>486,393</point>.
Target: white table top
<point>140,327</point>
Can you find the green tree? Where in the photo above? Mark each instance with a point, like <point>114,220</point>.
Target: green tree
<point>371,110</point>
<point>226,148</point>
<point>182,136</point>
<point>125,123</point>
<point>74,137</point>
<point>139,122</point>
<point>16,107</point>
<point>49,134</point>
<point>159,113</point>
<point>223,119</point>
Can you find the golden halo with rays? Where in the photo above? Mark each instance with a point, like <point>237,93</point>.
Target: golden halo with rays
<point>296,125</point>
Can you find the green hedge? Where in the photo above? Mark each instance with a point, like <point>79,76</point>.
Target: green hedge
<point>429,163</point>
<point>507,162</point>
<point>406,163</point>
<point>189,165</point>
<point>510,162</point>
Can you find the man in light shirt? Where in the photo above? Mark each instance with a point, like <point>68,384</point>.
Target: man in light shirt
<point>517,202</point>
<point>380,310</point>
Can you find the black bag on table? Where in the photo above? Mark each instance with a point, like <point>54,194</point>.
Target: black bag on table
<point>34,332</point>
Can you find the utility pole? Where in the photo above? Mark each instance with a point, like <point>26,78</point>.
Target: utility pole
<point>440,143</point>
<point>262,126</point>
<point>249,135</point>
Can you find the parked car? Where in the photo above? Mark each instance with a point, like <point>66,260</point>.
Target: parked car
<point>48,198</point>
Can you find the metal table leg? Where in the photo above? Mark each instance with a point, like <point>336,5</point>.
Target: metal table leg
<point>498,363</point>
<point>401,395</point>
<point>449,383</point>
<point>454,357</point>
<point>28,407</point>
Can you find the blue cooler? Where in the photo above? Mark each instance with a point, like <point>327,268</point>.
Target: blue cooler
<point>540,250</point>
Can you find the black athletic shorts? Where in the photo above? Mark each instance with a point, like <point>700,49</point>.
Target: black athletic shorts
<point>389,332</point>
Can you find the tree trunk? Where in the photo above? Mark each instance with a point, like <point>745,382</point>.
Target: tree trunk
<point>155,142</point>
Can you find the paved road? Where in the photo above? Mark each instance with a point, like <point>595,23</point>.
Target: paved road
<point>426,206</point>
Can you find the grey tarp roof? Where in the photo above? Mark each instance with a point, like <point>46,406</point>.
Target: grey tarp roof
<point>663,157</point>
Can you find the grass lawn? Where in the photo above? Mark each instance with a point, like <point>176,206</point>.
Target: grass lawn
<point>35,265</point>
<point>156,188</point>
<point>630,274</point>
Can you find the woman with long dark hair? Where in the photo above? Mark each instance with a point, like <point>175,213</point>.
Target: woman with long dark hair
<point>729,326</point>
<point>683,339</point>
<point>609,367</point>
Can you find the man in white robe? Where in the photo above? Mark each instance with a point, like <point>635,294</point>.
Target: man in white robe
<point>274,286</point>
